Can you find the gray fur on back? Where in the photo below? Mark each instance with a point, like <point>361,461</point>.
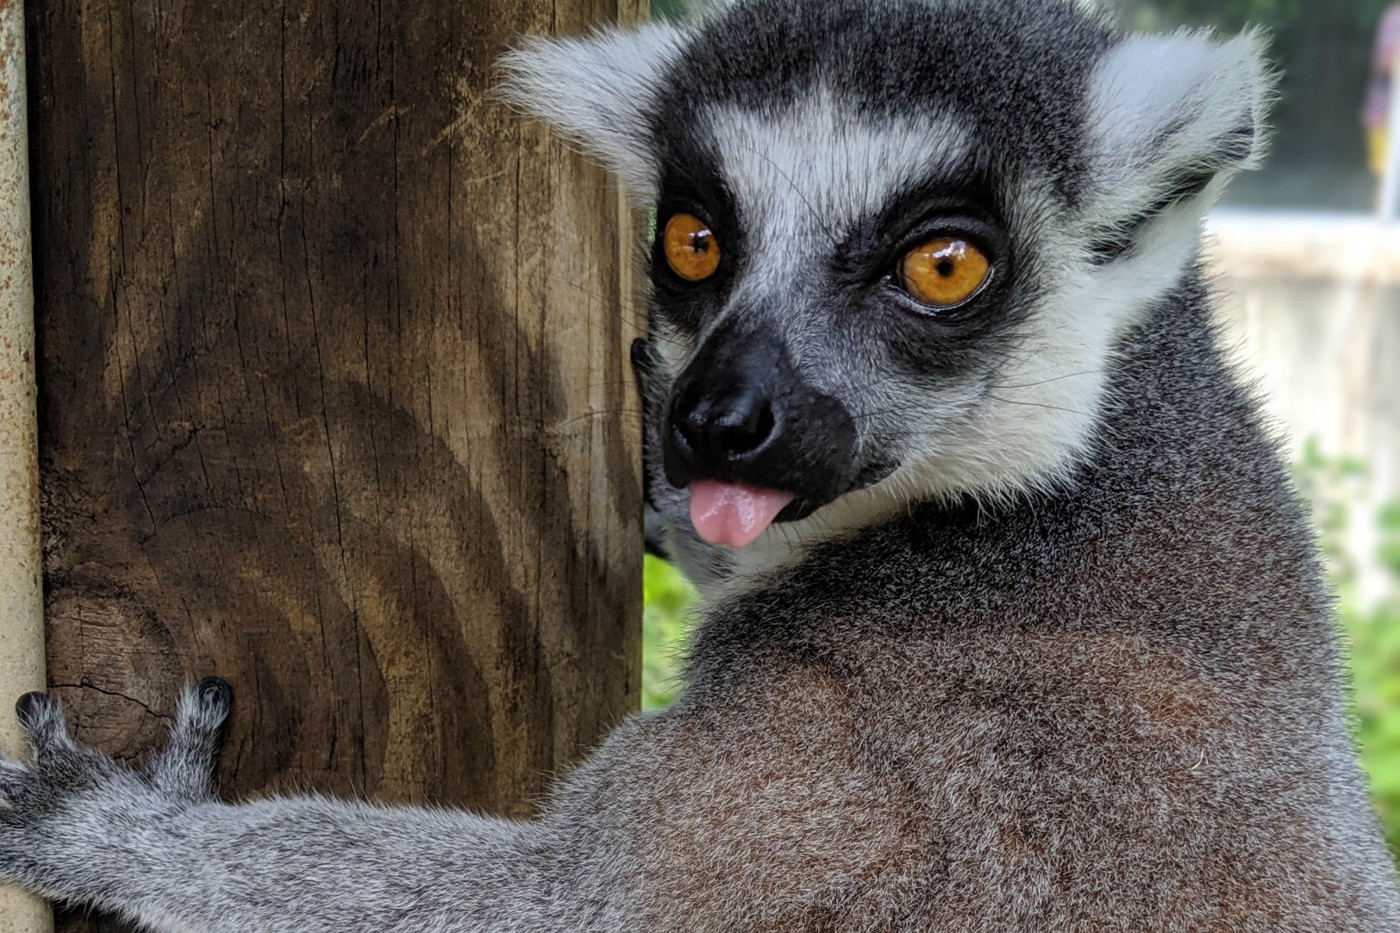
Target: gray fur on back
<point>1046,648</point>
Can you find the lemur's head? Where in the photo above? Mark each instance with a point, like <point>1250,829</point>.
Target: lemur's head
<point>895,240</point>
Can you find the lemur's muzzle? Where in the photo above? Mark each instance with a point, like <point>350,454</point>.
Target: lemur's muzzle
<point>752,440</point>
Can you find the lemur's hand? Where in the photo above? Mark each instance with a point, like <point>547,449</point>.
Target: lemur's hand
<point>71,808</point>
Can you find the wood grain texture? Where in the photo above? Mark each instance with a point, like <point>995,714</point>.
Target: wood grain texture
<point>332,398</point>
<point>21,591</point>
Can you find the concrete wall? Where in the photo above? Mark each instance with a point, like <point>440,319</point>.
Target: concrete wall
<point>1313,304</point>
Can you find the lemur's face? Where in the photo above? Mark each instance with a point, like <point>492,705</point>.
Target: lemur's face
<point>829,295</point>
<point>895,240</point>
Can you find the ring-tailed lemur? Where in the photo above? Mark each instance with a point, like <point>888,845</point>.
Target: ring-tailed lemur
<point>1015,623</point>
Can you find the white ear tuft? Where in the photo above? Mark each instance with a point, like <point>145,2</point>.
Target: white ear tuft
<point>598,91</point>
<point>1168,114</point>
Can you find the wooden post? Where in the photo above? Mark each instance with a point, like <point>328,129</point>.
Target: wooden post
<point>21,596</point>
<point>332,393</point>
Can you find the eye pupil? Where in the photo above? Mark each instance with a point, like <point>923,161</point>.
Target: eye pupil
<point>946,267</point>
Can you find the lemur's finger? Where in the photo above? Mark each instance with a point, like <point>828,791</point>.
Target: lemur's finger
<point>44,724</point>
<point>186,769</point>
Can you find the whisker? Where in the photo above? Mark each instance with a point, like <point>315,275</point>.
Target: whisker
<point>597,413</point>
<point>1012,401</point>
<point>1031,385</point>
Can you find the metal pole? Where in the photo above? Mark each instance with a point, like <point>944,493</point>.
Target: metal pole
<point>1390,180</point>
<point>21,594</point>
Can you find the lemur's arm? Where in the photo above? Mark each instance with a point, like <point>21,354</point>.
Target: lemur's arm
<point>159,849</point>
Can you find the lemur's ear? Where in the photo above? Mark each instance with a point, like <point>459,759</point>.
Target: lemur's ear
<point>598,91</point>
<point>1170,114</point>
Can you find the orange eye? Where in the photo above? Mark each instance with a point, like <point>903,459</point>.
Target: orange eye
<point>944,272</point>
<point>692,251</point>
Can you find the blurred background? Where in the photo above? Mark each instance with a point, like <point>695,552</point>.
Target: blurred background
<point>1307,252</point>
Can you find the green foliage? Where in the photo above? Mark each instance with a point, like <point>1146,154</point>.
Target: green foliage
<point>1374,634</point>
<point>1375,667</point>
<point>1389,553</point>
<point>1226,15</point>
<point>1233,15</point>
<point>668,600</point>
<point>672,9</point>
<point>1329,485</point>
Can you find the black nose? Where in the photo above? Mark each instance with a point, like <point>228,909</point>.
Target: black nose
<point>726,408</point>
<point>741,412</point>
<point>727,427</point>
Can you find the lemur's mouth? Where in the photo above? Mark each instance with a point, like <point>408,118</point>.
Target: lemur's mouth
<point>752,441</point>
<point>733,513</point>
<point>736,513</point>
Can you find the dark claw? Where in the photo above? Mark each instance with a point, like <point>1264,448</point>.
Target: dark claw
<point>215,691</point>
<point>31,707</point>
<point>641,355</point>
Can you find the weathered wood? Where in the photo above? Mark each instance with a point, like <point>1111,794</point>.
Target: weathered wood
<point>332,394</point>
<point>21,593</point>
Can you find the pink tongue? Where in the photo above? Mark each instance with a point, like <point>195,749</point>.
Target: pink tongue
<point>728,513</point>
